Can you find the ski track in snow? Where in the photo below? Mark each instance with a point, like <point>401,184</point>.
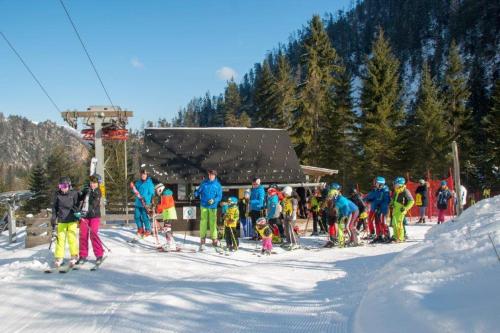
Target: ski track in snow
<point>140,290</point>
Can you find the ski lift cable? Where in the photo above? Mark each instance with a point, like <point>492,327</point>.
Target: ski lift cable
<point>87,53</point>
<point>30,71</point>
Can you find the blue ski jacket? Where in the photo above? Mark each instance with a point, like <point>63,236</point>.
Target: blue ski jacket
<point>273,202</point>
<point>345,206</point>
<point>257,196</point>
<point>379,199</point>
<point>146,190</point>
<point>209,190</point>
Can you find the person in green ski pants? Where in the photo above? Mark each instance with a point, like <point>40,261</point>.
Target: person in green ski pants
<point>210,194</point>
<point>401,203</point>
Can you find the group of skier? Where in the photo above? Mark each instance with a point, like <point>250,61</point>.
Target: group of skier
<point>269,216</point>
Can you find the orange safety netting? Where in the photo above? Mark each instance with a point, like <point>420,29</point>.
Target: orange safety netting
<point>433,186</point>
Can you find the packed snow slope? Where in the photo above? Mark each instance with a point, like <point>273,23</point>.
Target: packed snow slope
<point>448,283</point>
<point>319,290</point>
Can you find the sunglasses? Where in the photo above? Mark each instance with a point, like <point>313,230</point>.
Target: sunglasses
<point>63,186</point>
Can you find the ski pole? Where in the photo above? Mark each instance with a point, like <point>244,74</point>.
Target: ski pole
<point>96,236</point>
<point>234,239</point>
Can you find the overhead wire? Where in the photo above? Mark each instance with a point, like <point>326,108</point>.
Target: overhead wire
<point>30,71</point>
<point>88,55</point>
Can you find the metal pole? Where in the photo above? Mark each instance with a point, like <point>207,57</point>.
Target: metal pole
<point>99,154</point>
<point>12,222</point>
<point>456,175</point>
<point>126,183</point>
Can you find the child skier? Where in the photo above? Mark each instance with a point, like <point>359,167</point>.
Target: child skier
<point>90,221</point>
<point>166,208</point>
<point>401,203</point>
<point>358,201</point>
<point>443,195</point>
<point>290,206</point>
<point>145,188</point>
<point>230,223</point>
<point>316,204</point>
<point>274,197</point>
<point>379,199</point>
<point>266,234</point>
<point>347,214</point>
<point>65,215</point>
<point>244,209</point>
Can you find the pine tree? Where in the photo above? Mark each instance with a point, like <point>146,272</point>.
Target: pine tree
<point>59,164</point>
<point>381,110</point>
<point>491,123</point>
<point>38,185</point>
<point>283,98</point>
<point>232,104</point>
<point>456,94</point>
<point>340,129</point>
<point>263,95</point>
<point>429,136</point>
<point>315,93</point>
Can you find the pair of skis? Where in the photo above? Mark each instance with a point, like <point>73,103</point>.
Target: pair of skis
<point>63,269</point>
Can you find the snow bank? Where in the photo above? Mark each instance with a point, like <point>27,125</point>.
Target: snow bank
<point>448,283</point>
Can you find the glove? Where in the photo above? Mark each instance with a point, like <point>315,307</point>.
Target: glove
<point>78,215</point>
<point>211,201</point>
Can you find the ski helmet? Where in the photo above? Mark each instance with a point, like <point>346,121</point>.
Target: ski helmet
<point>261,222</point>
<point>444,183</point>
<point>399,181</point>
<point>287,190</point>
<point>232,201</point>
<point>335,186</point>
<point>421,181</point>
<point>380,180</point>
<point>159,188</point>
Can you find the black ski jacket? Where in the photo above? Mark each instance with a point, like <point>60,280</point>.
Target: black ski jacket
<point>64,205</point>
<point>94,209</point>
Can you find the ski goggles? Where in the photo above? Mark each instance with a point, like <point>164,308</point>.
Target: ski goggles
<point>63,186</point>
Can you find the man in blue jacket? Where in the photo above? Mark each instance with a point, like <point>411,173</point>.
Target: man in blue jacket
<point>257,197</point>
<point>146,190</point>
<point>379,199</point>
<point>210,194</point>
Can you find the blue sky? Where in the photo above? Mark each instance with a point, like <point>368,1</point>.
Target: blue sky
<point>153,56</point>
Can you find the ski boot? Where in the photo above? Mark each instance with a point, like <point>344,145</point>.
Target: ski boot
<point>58,262</point>
<point>81,261</point>
<point>202,245</point>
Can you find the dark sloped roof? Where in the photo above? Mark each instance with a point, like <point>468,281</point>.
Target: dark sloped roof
<point>183,155</point>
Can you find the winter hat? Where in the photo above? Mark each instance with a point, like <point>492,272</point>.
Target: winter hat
<point>444,183</point>
<point>246,193</point>
<point>287,191</point>
<point>159,188</point>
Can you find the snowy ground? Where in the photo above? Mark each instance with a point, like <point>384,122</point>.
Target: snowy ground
<point>138,289</point>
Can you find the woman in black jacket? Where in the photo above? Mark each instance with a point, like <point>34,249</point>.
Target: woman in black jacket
<point>90,221</point>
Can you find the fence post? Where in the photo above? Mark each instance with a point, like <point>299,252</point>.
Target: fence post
<point>456,175</point>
